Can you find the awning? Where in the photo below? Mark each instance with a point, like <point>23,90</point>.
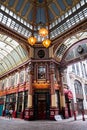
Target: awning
<point>68,93</point>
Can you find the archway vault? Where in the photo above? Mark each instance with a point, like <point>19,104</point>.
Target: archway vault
<point>69,50</point>
<point>12,53</point>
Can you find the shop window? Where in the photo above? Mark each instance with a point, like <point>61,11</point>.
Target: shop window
<point>25,99</point>
<point>11,98</point>
<point>1,99</point>
<point>20,98</point>
<point>10,101</point>
<point>7,99</point>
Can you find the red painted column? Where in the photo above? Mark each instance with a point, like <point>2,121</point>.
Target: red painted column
<point>53,108</point>
<point>62,96</point>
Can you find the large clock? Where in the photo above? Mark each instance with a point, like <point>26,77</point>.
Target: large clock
<point>80,49</point>
<point>41,53</point>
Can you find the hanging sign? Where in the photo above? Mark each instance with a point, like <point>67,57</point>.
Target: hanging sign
<point>70,95</point>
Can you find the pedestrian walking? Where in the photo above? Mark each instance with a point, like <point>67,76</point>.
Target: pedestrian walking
<point>10,113</point>
<point>7,113</point>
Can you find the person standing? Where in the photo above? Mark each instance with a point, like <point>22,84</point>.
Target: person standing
<point>10,113</point>
<point>6,113</point>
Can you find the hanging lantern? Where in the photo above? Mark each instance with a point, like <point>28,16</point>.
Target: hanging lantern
<point>43,32</point>
<point>32,40</point>
<point>46,43</point>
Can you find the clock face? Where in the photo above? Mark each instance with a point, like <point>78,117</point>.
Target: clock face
<point>80,49</point>
<point>41,53</point>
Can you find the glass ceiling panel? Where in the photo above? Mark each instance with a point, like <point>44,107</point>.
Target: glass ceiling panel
<point>11,54</point>
<point>69,42</point>
<point>22,28</point>
<point>1,56</point>
<point>12,60</point>
<point>20,51</point>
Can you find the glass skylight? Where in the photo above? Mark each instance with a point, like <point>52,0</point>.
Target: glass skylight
<point>11,53</point>
<point>24,28</point>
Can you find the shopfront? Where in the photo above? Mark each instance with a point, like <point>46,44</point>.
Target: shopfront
<point>68,102</point>
<point>41,104</point>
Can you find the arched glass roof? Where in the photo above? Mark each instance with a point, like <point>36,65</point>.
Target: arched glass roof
<point>25,16</point>
<point>60,51</point>
<point>11,54</point>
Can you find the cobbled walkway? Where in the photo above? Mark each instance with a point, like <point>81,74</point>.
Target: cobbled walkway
<point>66,124</point>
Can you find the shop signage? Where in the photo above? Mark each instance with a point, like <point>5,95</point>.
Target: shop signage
<point>58,117</point>
<point>70,95</point>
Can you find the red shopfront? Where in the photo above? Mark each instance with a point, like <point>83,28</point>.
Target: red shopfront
<point>69,103</point>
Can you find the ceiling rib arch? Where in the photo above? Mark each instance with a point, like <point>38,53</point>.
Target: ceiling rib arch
<point>73,55</point>
<point>8,58</point>
<point>62,16</point>
<point>12,53</point>
<point>69,42</point>
<point>13,48</point>
<point>3,65</point>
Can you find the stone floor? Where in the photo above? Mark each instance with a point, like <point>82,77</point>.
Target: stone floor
<point>66,124</point>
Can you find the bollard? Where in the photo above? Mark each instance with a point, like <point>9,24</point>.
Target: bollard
<point>83,118</point>
<point>74,115</point>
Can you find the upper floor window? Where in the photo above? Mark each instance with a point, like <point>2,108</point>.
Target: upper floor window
<point>78,87</point>
<point>82,69</point>
<point>21,76</point>
<point>77,69</point>
<point>5,83</point>
<point>12,80</point>
<point>85,88</point>
<point>85,72</point>
<point>1,85</point>
<point>27,77</point>
<point>73,68</point>
<point>16,78</point>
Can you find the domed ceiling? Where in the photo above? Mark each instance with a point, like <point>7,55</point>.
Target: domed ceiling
<point>36,11</point>
<point>25,16</point>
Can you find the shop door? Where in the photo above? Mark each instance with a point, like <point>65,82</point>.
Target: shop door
<point>42,109</point>
<point>41,105</point>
